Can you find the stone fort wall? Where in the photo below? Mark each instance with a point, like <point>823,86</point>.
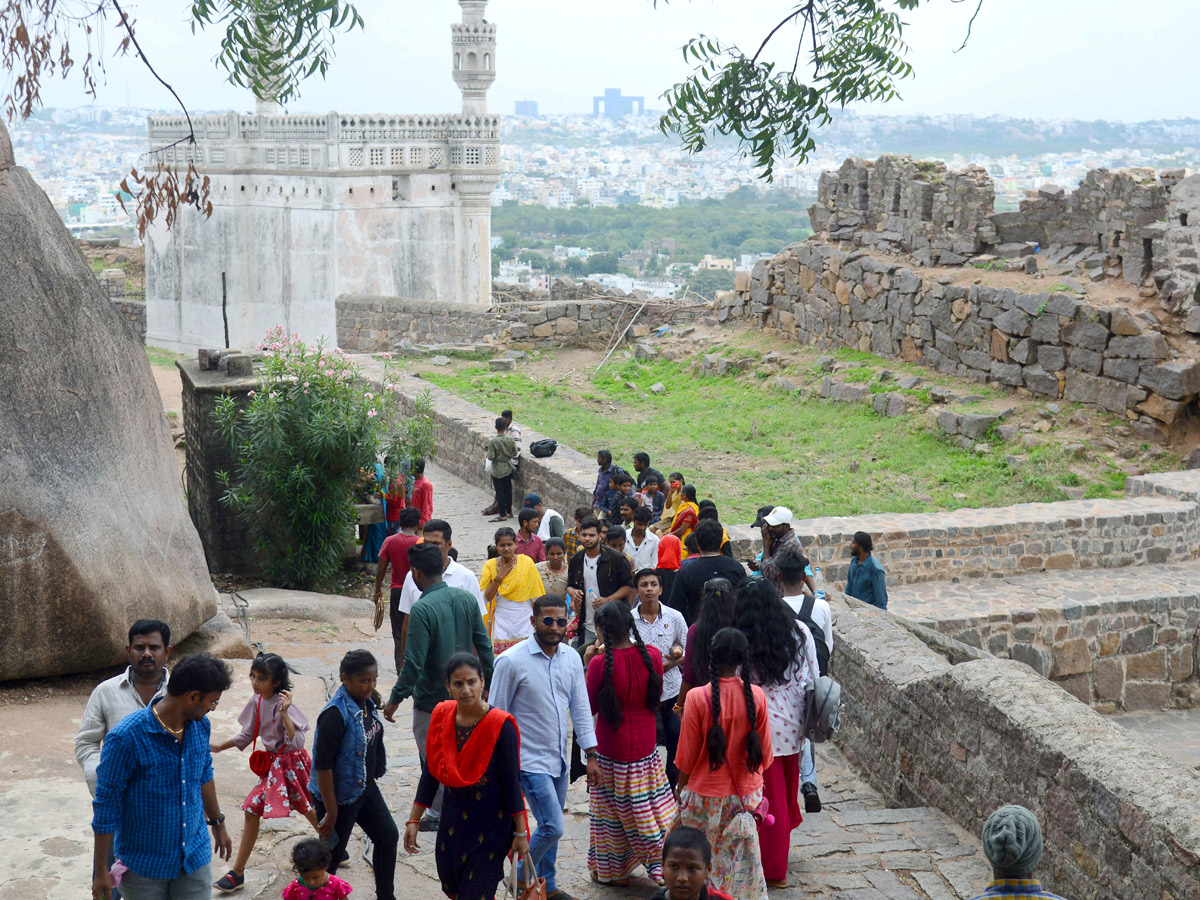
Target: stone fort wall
<point>1053,345</point>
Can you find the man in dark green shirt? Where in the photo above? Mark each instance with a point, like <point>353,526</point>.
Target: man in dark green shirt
<point>443,621</point>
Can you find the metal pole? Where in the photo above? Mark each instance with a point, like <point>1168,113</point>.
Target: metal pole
<point>622,337</point>
<point>224,311</point>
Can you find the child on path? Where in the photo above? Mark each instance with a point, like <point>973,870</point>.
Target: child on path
<point>311,858</point>
<point>270,717</point>
<point>687,862</point>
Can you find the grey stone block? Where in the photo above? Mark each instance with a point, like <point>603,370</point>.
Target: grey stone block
<point>948,421</point>
<point>1103,392</point>
<point>1052,359</point>
<point>1086,360</point>
<point>1045,329</point>
<point>1013,322</point>
<point>848,393</point>
<point>1088,335</point>
<point>1006,373</point>
<point>1142,346</point>
<point>1178,380</point>
<point>1040,382</point>
<point>974,425</point>
<point>1122,369</point>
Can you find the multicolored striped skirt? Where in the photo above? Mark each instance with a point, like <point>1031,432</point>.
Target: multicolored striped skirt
<point>632,809</point>
<point>737,861</point>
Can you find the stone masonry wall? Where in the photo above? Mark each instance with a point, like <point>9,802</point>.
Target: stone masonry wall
<point>134,312</point>
<point>228,547</point>
<point>968,738</point>
<point>1052,345</point>
<point>371,324</point>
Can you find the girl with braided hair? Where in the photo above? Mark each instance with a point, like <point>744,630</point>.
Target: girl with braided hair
<point>724,748</point>
<point>632,806</point>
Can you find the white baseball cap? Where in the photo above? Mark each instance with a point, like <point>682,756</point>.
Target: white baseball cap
<point>780,515</point>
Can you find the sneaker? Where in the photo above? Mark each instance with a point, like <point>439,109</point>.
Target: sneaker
<point>812,800</point>
<point>229,882</point>
<point>429,823</point>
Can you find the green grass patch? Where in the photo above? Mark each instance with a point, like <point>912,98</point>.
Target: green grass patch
<point>745,445</point>
<point>163,359</point>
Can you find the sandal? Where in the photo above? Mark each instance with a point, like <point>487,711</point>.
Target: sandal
<point>229,882</point>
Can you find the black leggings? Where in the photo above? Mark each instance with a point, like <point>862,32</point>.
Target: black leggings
<point>371,814</point>
<point>670,725</point>
<point>503,495</point>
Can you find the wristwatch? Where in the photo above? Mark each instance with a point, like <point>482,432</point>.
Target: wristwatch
<point>213,823</point>
<point>590,754</point>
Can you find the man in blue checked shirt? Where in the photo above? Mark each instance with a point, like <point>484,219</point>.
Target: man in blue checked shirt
<point>155,789</point>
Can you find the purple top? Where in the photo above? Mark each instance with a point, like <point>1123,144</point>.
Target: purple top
<point>271,733</point>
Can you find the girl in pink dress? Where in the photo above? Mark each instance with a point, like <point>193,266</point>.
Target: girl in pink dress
<point>311,858</point>
<point>271,719</point>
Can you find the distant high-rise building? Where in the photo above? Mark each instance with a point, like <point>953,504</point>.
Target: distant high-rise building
<point>617,106</point>
<point>527,108</point>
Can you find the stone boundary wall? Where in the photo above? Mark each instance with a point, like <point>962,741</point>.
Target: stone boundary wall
<point>1052,345</point>
<point>1011,540</point>
<point>374,324</point>
<point>133,312</point>
<point>969,738</point>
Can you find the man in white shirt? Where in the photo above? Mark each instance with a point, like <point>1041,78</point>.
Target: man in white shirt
<point>552,524</point>
<point>437,532</point>
<point>790,564</point>
<point>665,629</point>
<point>640,543</point>
<point>111,701</point>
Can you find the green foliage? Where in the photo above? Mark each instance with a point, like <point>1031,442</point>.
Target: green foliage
<point>706,282</point>
<point>303,442</point>
<point>162,359</point>
<point>271,47</point>
<point>853,51</point>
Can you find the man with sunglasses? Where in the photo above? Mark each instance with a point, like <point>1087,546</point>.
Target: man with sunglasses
<point>540,681</point>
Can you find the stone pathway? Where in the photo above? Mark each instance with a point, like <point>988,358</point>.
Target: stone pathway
<point>856,849</point>
<point>1176,732</point>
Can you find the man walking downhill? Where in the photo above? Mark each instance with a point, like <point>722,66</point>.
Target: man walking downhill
<point>144,679</point>
<point>540,681</point>
<point>443,622</point>
<point>155,792</point>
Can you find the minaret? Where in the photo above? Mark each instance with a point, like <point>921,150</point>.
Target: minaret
<point>474,42</point>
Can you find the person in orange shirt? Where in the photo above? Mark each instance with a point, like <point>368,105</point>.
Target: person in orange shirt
<point>422,492</point>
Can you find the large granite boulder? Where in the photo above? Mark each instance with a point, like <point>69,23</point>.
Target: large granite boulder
<point>93,529</point>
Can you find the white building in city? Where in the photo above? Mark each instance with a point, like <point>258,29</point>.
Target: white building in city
<point>309,207</point>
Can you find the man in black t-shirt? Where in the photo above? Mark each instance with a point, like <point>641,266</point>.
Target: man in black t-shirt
<point>699,568</point>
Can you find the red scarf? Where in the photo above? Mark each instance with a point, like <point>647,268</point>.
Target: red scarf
<point>462,768</point>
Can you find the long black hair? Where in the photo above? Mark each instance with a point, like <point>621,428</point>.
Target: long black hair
<point>276,670</point>
<point>718,609</point>
<point>614,620</point>
<point>729,651</point>
<point>764,618</point>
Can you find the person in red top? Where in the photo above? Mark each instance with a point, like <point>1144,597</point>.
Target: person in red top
<point>394,502</point>
<point>422,492</point>
<point>724,747</point>
<point>394,552</point>
<point>527,540</point>
<point>632,807</point>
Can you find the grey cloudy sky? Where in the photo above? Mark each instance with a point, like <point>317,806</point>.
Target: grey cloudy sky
<point>1086,59</point>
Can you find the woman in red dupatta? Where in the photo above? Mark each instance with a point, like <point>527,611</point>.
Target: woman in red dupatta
<point>472,751</point>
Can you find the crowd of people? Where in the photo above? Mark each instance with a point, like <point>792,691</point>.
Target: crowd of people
<point>630,649</point>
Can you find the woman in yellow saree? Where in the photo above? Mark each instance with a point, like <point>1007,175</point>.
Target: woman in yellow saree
<point>509,583</point>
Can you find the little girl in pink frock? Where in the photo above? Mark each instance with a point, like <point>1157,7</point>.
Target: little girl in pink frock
<point>311,858</point>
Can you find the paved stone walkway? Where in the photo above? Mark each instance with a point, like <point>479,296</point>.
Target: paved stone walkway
<point>855,849</point>
<point>1066,593</point>
<point>1176,732</point>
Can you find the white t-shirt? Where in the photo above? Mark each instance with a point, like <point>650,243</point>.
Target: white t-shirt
<point>591,588</point>
<point>544,528</point>
<point>456,576</point>
<point>645,555</point>
<point>822,616</point>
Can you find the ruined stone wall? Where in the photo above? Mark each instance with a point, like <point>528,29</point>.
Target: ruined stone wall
<point>1053,345</point>
<point>971,737</point>
<point>133,312</point>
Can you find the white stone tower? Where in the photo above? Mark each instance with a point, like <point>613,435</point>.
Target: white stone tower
<point>309,207</point>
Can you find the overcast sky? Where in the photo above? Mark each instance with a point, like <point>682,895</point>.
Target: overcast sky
<point>1085,59</point>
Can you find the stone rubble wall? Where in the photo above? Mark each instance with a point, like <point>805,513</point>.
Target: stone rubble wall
<point>1011,540</point>
<point>133,312</point>
<point>1051,345</point>
<point>969,738</point>
<point>374,324</point>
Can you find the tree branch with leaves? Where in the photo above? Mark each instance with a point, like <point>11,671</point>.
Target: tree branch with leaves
<point>853,51</point>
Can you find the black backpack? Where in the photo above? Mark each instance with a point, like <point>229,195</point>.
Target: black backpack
<point>818,634</point>
<point>542,449</point>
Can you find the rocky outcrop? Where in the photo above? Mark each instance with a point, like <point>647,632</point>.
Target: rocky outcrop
<point>93,530</point>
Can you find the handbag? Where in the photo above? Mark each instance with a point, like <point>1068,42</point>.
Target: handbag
<point>536,890</point>
<point>761,813</point>
<point>260,760</point>
<point>487,467</point>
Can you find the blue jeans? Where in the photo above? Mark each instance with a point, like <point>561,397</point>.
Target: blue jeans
<point>808,766</point>
<point>546,795</point>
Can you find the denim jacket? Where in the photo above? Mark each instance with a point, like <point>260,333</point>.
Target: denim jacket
<point>350,770</point>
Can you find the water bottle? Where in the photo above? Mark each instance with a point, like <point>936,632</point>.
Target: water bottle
<point>819,582</point>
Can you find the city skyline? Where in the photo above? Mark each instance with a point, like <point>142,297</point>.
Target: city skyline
<point>1025,58</point>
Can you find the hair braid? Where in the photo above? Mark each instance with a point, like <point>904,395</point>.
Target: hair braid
<point>716,734</point>
<point>754,748</point>
<point>654,679</point>
<point>610,703</point>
